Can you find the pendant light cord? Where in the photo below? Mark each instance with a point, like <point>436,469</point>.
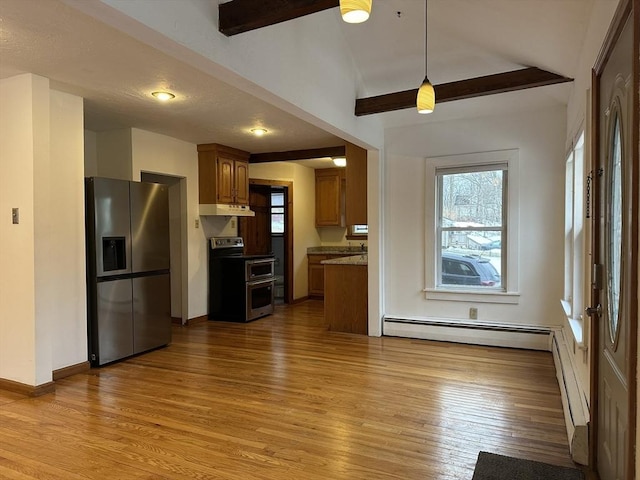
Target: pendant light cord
<point>426,38</point>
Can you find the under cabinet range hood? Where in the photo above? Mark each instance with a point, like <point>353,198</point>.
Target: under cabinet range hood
<point>223,209</point>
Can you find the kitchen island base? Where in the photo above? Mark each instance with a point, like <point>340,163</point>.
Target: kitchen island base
<point>345,297</point>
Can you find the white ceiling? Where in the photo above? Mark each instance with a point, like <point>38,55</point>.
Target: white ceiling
<point>115,73</point>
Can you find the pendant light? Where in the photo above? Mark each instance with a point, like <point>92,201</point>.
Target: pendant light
<point>355,11</point>
<point>426,100</point>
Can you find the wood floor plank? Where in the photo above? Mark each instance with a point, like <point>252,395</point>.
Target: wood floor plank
<point>284,398</point>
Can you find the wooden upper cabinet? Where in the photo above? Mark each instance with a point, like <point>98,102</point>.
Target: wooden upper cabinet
<point>356,185</point>
<point>242,182</point>
<point>329,197</point>
<point>225,180</point>
<point>223,174</point>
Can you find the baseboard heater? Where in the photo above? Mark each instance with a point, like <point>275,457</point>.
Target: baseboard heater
<point>574,404</point>
<point>470,332</point>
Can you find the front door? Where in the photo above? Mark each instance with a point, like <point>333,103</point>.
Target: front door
<point>616,256</point>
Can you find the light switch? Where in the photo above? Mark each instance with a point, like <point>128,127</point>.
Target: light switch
<point>15,215</point>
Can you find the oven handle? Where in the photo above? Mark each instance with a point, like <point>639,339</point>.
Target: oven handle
<point>258,262</point>
<point>258,283</point>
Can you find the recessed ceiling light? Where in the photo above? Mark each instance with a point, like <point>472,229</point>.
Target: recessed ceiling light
<point>163,96</point>
<point>340,162</point>
<point>259,132</point>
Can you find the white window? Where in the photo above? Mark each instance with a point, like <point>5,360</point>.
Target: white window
<point>575,255</point>
<point>277,213</point>
<point>472,227</point>
<point>359,230</point>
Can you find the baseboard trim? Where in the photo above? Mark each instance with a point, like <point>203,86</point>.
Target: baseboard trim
<point>176,321</point>
<point>197,320</point>
<point>304,299</point>
<point>574,405</point>
<point>28,390</point>
<point>65,372</point>
<point>530,337</point>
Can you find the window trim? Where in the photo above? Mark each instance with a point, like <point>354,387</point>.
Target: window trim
<point>283,213</point>
<point>440,173</point>
<point>463,162</point>
<point>577,276</point>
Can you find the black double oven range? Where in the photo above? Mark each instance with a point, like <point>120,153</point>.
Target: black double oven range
<point>241,287</point>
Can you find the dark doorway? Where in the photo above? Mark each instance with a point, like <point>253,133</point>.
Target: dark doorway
<point>271,230</point>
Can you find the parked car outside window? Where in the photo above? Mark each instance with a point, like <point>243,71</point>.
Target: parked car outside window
<point>468,270</point>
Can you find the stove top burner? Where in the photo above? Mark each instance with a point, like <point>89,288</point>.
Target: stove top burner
<point>226,242</point>
<point>232,247</point>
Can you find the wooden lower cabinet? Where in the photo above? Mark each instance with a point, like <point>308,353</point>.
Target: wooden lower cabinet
<point>316,273</point>
<point>346,298</point>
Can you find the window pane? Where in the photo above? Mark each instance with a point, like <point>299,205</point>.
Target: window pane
<point>614,231</point>
<point>277,223</point>
<point>471,258</point>
<point>472,199</point>
<point>277,199</point>
<point>360,229</point>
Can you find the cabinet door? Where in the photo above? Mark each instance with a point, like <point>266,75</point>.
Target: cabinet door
<point>328,199</point>
<point>316,279</point>
<point>225,179</point>
<point>207,177</point>
<point>242,182</point>
<point>356,190</point>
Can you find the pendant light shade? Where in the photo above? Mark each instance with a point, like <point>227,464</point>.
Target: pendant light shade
<point>426,100</point>
<point>355,11</point>
<point>426,97</point>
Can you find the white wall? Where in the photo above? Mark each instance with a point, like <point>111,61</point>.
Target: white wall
<point>314,47</point>
<point>17,242</point>
<point>539,136</point>
<point>42,286</point>
<point>154,153</point>
<point>65,243</point>
<point>113,154</point>
<point>601,16</point>
<point>305,233</point>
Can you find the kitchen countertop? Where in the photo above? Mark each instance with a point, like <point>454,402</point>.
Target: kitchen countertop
<point>339,250</point>
<point>352,260</point>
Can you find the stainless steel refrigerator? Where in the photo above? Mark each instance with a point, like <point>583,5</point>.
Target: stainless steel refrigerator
<point>128,283</point>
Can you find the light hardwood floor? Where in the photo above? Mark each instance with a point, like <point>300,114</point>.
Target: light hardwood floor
<point>283,398</point>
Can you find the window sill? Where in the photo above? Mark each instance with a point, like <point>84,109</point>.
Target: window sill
<point>356,237</point>
<point>474,296</point>
<point>576,326</point>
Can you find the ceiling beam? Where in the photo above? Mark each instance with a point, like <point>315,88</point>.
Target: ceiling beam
<point>338,151</point>
<point>240,16</point>
<point>474,87</point>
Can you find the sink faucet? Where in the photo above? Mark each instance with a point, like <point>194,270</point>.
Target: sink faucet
<point>362,247</point>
